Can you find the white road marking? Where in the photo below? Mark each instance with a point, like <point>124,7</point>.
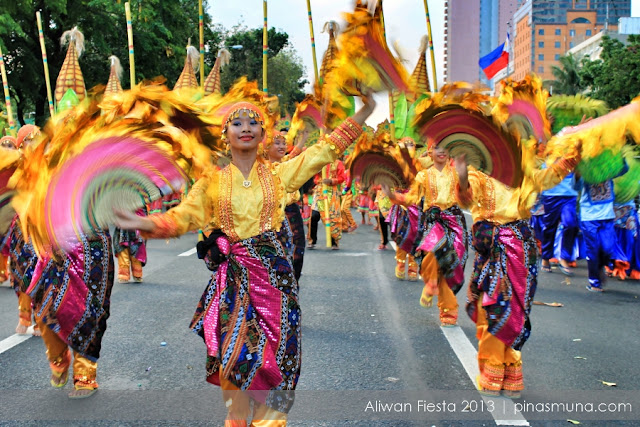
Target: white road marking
<point>189,252</point>
<point>14,340</point>
<point>467,355</point>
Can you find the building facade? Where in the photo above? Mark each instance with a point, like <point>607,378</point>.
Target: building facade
<point>473,28</point>
<point>547,30</point>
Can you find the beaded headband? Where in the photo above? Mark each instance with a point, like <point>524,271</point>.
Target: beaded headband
<point>29,132</point>
<point>8,142</point>
<point>236,110</point>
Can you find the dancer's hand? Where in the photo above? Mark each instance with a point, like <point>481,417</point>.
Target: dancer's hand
<point>369,104</point>
<point>387,191</point>
<point>460,164</point>
<point>130,221</point>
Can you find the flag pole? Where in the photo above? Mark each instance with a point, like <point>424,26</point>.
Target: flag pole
<point>392,121</point>
<point>7,98</point>
<point>132,64</point>
<point>433,55</point>
<point>201,26</point>
<point>45,63</point>
<point>265,47</point>
<point>313,41</point>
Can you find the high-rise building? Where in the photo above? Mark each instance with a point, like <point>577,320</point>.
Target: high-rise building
<point>546,30</point>
<point>473,28</point>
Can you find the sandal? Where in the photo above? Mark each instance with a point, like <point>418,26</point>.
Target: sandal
<point>382,247</point>
<point>547,269</point>
<point>59,379</point>
<point>565,270</point>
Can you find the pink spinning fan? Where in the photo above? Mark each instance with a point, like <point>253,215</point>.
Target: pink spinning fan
<point>116,172</point>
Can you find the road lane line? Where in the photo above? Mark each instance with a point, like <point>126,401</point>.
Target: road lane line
<point>468,357</point>
<point>14,340</point>
<point>189,252</point>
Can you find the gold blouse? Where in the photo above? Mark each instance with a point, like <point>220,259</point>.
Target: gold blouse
<point>490,200</point>
<point>243,208</point>
<point>437,188</point>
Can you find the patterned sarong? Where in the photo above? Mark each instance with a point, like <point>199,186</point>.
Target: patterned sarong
<point>444,233</point>
<point>404,224</point>
<point>22,257</point>
<point>249,318</point>
<point>72,296</point>
<point>131,239</point>
<point>292,212</point>
<point>505,277</point>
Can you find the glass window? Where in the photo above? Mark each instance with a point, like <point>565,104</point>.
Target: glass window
<point>541,69</point>
<point>572,33</point>
<point>556,45</point>
<point>540,44</point>
<point>541,32</point>
<point>588,32</point>
<point>570,45</point>
<point>558,31</point>
<point>557,56</point>
<point>541,57</point>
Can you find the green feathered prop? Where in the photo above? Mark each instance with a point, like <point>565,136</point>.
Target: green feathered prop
<point>627,187</point>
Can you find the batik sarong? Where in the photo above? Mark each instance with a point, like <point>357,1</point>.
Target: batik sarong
<point>249,318</point>
<point>22,257</point>
<point>444,233</point>
<point>72,295</point>
<point>292,212</point>
<point>128,239</point>
<point>504,279</point>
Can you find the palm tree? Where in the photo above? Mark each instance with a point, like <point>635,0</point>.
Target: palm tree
<point>567,76</point>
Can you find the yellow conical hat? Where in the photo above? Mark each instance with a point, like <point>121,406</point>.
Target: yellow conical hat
<point>332,51</point>
<point>419,80</point>
<point>188,78</point>
<point>113,85</point>
<point>70,76</point>
<point>212,83</point>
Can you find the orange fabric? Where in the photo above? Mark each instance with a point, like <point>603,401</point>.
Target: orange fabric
<point>127,265</point>
<point>345,211</point>
<point>59,359</point>
<point>24,308</point>
<point>494,356</point>
<point>238,404</point>
<point>435,284</point>
<point>4,268</point>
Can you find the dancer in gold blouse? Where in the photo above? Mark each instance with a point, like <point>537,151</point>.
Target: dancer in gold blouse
<point>249,315</point>
<point>505,267</point>
<point>442,248</point>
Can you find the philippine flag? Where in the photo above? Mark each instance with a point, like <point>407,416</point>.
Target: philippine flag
<point>496,60</point>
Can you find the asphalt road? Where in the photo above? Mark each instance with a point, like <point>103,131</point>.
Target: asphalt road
<point>366,342</point>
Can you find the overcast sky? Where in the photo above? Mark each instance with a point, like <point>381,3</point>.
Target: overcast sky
<point>404,19</point>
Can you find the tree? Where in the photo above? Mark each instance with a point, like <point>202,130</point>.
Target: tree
<point>567,76</point>
<point>285,79</point>
<point>161,30</point>
<point>615,77</point>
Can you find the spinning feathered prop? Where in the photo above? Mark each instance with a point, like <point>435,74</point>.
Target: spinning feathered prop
<point>457,118</point>
<point>376,160</point>
<point>600,142</point>
<point>521,107</point>
<point>364,60</point>
<point>9,159</point>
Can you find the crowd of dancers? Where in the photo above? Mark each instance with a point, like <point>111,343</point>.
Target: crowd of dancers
<point>248,185</point>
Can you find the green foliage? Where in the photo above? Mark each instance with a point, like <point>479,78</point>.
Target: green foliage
<point>161,30</point>
<point>247,60</point>
<point>285,79</point>
<point>615,78</point>
<point>285,69</point>
<point>567,76</point>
